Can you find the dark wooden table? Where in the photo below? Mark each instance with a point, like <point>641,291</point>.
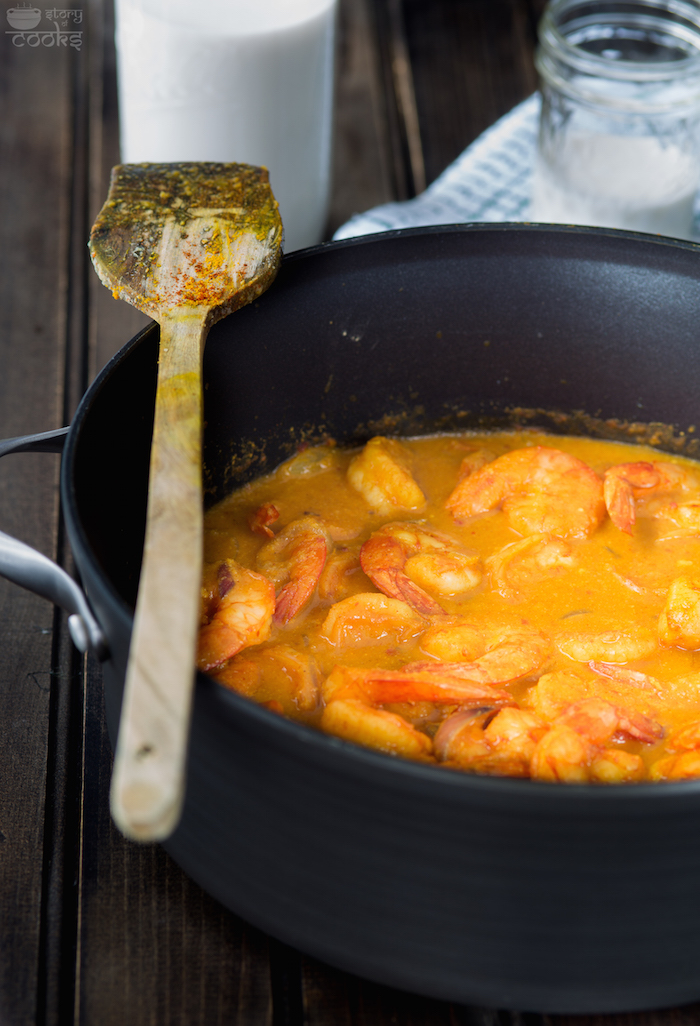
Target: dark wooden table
<point>94,929</point>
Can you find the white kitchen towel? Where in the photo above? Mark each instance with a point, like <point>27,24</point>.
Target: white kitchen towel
<point>489,181</point>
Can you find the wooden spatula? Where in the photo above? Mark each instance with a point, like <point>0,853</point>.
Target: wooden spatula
<point>187,244</point>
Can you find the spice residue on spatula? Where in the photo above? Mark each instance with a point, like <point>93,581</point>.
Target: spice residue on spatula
<point>187,235</point>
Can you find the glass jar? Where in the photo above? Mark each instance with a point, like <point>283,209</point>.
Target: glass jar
<point>619,140</point>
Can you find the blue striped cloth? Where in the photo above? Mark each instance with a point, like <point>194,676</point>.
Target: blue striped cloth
<point>489,181</point>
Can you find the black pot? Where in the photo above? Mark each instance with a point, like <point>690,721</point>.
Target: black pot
<point>502,892</point>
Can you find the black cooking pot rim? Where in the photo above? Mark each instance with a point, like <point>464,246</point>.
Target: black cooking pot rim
<point>364,762</point>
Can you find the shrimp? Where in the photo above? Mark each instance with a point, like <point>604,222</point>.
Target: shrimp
<point>239,614</point>
<point>555,691</point>
<point>382,687</point>
<point>311,460</point>
<point>336,580</point>
<point>616,766</point>
<point>622,675</point>
<point>575,751</point>
<point>685,516</point>
<point>381,474</point>
<point>625,482</point>
<point>517,728</point>
<point>295,558</point>
<point>259,521</point>
<point>402,560</point>
<point>353,720</point>
<point>685,766</point>
<point>527,560</point>
<point>599,721</point>
<point>454,641</point>
<point>541,491</point>
<point>686,739</point>
<point>562,755</point>
<point>460,737</point>
<point>501,744</point>
<point>608,646</point>
<point>351,693</point>
<point>679,621</point>
<point>474,460</point>
<point>684,762</point>
<point>272,673</point>
<point>370,617</point>
<point>509,656</point>
<point>643,689</point>
<point>565,756</point>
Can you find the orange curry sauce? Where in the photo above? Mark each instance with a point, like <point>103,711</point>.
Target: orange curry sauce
<point>517,604</point>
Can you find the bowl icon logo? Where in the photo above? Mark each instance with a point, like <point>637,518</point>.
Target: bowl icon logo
<point>23,18</point>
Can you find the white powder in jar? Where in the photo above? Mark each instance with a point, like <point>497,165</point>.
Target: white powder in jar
<point>613,181</point>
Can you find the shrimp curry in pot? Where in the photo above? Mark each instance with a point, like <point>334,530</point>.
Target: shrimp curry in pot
<point>515,604</point>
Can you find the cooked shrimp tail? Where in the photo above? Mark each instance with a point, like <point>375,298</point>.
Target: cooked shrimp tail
<point>599,720</point>
<point>619,484</point>
<point>379,687</point>
<point>259,521</point>
<point>407,561</point>
<point>239,614</point>
<point>295,559</point>
<point>625,482</point>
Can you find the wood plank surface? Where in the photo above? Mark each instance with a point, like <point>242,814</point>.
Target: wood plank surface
<point>332,997</point>
<point>362,156</point>
<point>35,145</point>
<point>111,323</point>
<point>154,948</point>
<point>95,930</point>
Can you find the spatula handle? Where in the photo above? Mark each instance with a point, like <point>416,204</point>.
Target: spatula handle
<point>149,769</point>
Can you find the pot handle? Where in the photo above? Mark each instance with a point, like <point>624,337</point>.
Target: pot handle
<point>23,565</point>
<point>47,441</point>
